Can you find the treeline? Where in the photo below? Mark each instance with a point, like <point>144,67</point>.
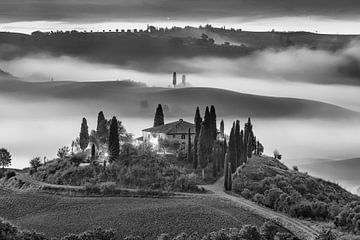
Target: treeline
<point>117,48</point>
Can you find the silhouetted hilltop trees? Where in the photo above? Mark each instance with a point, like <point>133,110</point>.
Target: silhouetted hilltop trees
<point>84,135</point>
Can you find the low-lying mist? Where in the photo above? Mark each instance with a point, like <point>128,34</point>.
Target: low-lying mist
<point>332,77</point>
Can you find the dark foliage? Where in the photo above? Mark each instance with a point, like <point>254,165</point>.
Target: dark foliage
<point>159,116</point>
<point>84,135</point>
<point>114,145</point>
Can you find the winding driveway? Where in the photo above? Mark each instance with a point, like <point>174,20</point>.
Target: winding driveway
<point>300,229</point>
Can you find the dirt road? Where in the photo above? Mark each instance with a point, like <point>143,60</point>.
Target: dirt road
<point>300,229</point>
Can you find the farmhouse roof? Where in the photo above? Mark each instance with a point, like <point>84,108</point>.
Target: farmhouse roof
<point>178,127</point>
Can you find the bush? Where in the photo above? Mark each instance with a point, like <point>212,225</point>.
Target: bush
<point>2,173</point>
<point>302,209</point>
<point>10,174</point>
<point>96,234</point>
<point>326,235</point>
<point>186,183</point>
<point>246,193</point>
<point>91,188</point>
<point>249,232</point>
<point>268,230</point>
<point>108,188</point>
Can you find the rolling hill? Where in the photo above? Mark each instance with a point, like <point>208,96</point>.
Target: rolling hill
<point>134,99</point>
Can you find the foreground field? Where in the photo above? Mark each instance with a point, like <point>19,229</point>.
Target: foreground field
<point>147,217</point>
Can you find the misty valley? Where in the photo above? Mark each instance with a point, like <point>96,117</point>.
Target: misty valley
<point>179,133</point>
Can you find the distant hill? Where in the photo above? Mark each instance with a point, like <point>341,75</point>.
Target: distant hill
<point>5,75</point>
<point>162,43</point>
<point>135,99</point>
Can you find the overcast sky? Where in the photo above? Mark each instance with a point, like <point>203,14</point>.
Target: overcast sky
<point>196,10</point>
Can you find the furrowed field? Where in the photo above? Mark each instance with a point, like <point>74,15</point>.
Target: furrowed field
<point>147,217</point>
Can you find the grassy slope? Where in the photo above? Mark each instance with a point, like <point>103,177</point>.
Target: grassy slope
<point>259,168</point>
<point>59,216</point>
<point>127,97</point>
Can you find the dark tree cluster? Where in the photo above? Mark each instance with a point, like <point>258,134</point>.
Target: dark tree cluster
<point>242,145</point>
<point>208,147</point>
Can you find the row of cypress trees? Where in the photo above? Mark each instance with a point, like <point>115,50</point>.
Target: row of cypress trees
<point>207,147</point>
<point>242,145</point>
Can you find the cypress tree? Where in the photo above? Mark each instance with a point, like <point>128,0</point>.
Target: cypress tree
<point>226,168</point>
<point>229,178</point>
<point>224,152</point>
<point>93,152</point>
<point>84,135</point>
<point>204,149</point>
<point>174,79</point>
<point>159,116</point>
<point>222,128</point>
<point>114,145</point>
<point>232,149</point>
<point>249,138</point>
<point>197,121</point>
<point>213,124</point>
<point>243,148</point>
<point>238,143</point>
<point>189,155</point>
<point>101,128</point>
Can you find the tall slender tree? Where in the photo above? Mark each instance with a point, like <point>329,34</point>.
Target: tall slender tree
<point>197,121</point>
<point>226,169</point>
<point>243,148</point>
<point>84,135</point>
<point>204,148</point>
<point>249,138</point>
<point>189,153</point>
<point>114,144</point>
<point>174,79</point>
<point>93,152</point>
<point>229,178</point>
<point>222,128</point>
<point>159,116</point>
<point>101,128</point>
<point>238,143</point>
<point>232,149</point>
<point>213,124</point>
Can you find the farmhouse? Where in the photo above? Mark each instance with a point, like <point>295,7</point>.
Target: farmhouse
<point>178,131</point>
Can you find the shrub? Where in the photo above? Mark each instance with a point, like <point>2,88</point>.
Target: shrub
<point>249,232</point>
<point>10,174</point>
<point>2,173</point>
<point>326,235</point>
<point>246,193</point>
<point>91,188</point>
<point>268,230</point>
<point>284,236</point>
<point>186,183</point>
<point>96,234</point>
<point>107,188</point>
<point>302,209</point>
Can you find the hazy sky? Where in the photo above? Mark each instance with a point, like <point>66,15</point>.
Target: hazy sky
<point>312,15</point>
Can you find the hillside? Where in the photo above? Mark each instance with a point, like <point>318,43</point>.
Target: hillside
<point>270,183</point>
<point>6,76</point>
<point>137,100</point>
<point>162,43</point>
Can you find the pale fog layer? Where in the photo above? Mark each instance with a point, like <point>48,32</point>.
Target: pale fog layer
<point>291,23</point>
